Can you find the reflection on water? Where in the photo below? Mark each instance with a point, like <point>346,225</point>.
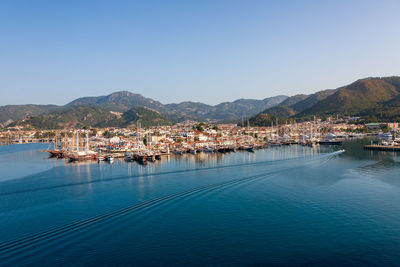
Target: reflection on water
<point>289,205</point>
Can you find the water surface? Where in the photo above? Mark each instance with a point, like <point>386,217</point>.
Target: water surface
<point>282,206</point>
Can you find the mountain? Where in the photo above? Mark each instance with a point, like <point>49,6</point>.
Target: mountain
<point>17,112</point>
<point>371,98</point>
<point>243,108</point>
<point>94,116</point>
<point>80,116</point>
<point>298,103</point>
<point>312,99</point>
<point>354,98</point>
<point>187,110</point>
<point>146,116</point>
<point>285,108</point>
<point>226,111</point>
<point>388,111</point>
<point>123,101</point>
<point>118,101</point>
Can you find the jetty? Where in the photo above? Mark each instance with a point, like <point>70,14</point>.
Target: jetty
<point>395,148</point>
<point>331,143</point>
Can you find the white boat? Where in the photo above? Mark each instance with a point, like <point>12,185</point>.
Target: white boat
<point>331,136</point>
<point>386,136</point>
<point>110,159</point>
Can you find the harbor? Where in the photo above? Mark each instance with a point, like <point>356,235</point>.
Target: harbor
<point>149,144</point>
<point>145,145</point>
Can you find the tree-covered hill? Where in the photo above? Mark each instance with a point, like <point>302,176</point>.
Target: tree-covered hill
<point>356,97</point>
<point>123,101</point>
<point>374,99</point>
<point>93,116</point>
<point>18,112</point>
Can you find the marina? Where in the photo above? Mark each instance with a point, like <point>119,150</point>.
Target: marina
<point>146,145</point>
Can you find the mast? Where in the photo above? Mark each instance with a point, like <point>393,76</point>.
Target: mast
<point>77,141</point>
<point>139,141</point>
<point>87,141</point>
<point>65,141</point>
<point>272,129</point>
<point>73,142</point>
<point>55,142</point>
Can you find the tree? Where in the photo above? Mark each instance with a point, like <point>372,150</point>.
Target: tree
<point>385,128</point>
<point>107,134</point>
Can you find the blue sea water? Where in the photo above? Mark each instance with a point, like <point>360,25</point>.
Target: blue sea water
<point>287,206</point>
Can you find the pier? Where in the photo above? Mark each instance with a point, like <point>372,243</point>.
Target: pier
<point>382,148</point>
<point>331,143</point>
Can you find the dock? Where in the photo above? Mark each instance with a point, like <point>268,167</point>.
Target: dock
<point>330,143</point>
<point>382,148</point>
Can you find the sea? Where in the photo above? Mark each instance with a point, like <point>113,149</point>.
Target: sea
<point>280,206</point>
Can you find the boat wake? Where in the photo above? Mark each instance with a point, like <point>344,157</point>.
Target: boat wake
<point>15,247</point>
<point>272,162</point>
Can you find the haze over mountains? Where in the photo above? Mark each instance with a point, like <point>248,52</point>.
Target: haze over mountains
<point>371,98</point>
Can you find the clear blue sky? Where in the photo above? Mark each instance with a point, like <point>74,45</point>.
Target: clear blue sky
<point>208,51</point>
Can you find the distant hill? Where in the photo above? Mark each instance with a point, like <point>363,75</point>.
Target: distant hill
<point>80,116</point>
<point>146,116</point>
<point>227,111</point>
<point>298,103</point>
<point>18,112</point>
<point>94,116</point>
<point>243,108</point>
<point>118,101</point>
<point>388,111</point>
<point>374,99</point>
<point>123,101</point>
<point>354,98</point>
<point>285,108</point>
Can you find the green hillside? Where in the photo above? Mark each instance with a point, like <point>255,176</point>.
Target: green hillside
<point>146,116</point>
<point>93,116</point>
<point>18,112</point>
<point>267,120</point>
<point>356,97</point>
<point>118,101</point>
<point>123,101</point>
<point>285,108</point>
<point>374,99</point>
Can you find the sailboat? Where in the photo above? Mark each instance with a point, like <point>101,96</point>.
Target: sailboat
<point>85,154</point>
<point>56,152</point>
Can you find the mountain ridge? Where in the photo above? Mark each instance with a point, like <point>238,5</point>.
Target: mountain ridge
<point>122,101</point>
<point>94,116</point>
<point>367,98</point>
<point>372,98</point>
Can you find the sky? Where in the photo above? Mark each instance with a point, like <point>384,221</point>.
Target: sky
<point>52,52</point>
